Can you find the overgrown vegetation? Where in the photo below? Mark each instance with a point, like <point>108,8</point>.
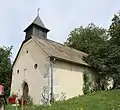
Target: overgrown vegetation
<point>86,86</point>
<point>104,100</point>
<point>29,101</point>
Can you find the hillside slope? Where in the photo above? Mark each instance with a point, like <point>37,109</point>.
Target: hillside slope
<point>104,100</point>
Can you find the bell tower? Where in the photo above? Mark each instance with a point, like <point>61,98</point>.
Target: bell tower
<point>36,28</point>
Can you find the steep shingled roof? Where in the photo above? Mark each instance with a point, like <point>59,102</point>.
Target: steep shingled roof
<point>37,21</point>
<point>59,51</point>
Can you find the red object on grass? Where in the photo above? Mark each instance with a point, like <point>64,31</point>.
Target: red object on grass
<point>12,100</point>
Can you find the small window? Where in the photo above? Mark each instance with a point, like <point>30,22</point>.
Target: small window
<point>17,71</point>
<point>35,66</point>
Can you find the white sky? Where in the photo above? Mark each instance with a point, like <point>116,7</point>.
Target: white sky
<point>60,16</point>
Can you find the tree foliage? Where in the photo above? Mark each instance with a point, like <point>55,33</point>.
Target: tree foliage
<point>114,30</point>
<point>86,39</point>
<point>103,48</point>
<point>106,58</point>
<point>5,67</point>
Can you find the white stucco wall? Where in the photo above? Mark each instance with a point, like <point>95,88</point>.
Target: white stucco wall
<point>34,77</point>
<point>67,78</point>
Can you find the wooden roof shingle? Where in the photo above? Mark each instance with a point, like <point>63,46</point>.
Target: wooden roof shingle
<point>60,51</point>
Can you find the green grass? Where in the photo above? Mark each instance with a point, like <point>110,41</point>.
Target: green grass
<point>104,100</point>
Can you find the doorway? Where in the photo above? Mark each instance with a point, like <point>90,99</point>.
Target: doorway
<point>25,90</point>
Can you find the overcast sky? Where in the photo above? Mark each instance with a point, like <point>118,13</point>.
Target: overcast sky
<point>60,16</point>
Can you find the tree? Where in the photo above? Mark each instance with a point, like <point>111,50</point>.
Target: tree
<point>106,57</point>
<point>103,49</point>
<point>5,67</point>
<point>87,39</point>
<point>114,30</point>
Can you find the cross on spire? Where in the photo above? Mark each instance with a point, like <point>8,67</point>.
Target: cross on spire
<point>38,11</point>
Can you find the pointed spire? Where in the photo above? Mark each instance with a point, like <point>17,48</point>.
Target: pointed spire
<point>38,22</point>
<point>36,28</point>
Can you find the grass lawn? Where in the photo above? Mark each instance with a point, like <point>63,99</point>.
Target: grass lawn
<point>104,100</point>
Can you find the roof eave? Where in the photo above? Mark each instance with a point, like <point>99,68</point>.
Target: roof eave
<point>62,59</point>
<point>36,25</point>
<point>19,51</point>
